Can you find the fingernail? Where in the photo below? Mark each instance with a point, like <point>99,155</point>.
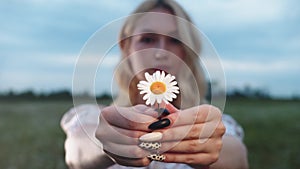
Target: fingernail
<point>150,145</point>
<point>150,137</point>
<point>156,157</point>
<point>162,113</point>
<point>159,124</point>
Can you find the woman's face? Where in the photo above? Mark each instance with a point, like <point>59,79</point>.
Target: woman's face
<point>152,48</point>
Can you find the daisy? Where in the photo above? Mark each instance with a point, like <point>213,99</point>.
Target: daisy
<point>158,87</point>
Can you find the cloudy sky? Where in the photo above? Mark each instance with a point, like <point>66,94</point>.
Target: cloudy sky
<point>258,42</point>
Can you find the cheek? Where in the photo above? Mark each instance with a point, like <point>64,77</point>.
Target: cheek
<point>177,66</point>
<point>179,52</point>
<point>140,61</point>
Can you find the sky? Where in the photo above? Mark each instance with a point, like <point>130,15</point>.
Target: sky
<point>258,42</point>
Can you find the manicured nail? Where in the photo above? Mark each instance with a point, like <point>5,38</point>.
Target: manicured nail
<point>150,145</point>
<point>150,137</point>
<point>159,124</point>
<point>162,112</point>
<point>156,157</point>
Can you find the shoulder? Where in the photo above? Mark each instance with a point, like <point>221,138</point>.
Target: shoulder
<point>80,116</point>
<point>81,146</point>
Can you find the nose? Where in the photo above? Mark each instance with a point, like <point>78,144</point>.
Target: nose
<point>162,44</point>
<point>161,52</point>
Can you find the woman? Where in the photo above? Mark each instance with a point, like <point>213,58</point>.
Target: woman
<point>189,135</point>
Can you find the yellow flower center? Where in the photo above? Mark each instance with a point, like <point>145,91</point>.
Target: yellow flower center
<point>158,88</point>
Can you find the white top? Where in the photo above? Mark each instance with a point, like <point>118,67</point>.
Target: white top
<point>81,146</point>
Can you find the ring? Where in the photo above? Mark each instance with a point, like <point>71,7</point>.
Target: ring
<point>156,157</point>
<point>150,145</point>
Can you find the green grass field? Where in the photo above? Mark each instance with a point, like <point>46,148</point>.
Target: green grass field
<point>31,137</point>
<point>271,132</point>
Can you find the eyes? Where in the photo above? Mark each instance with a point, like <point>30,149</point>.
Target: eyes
<point>153,39</point>
<point>147,39</point>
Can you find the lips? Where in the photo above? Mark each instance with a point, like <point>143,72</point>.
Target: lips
<point>158,68</point>
<point>162,68</point>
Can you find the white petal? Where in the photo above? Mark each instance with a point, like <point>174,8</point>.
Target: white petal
<point>173,83</point>
<point>148,101</point>
<point>157,75</point>
<point>152,101</point>
<point>144,83</point>
<point>171,78</point>
<point>143,87</point>
<point>173,95</point>
<point>174,88</point>
<point>159,99</point>
<point>171,90</point>
<point>168,97</point>
<point>166,101</point>
<point>148,77</point>
<point>162,77</point>
<point>154,77</point>
<point>143,92</point>
<point>139,85</point>
<point>168,78</point>
<point>146,96</point>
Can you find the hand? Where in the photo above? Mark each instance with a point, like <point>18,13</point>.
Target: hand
<point>194,137</point>
<point>119,129</point>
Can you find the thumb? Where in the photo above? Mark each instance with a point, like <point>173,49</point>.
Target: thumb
<point>165,109</point>
<point>171,108</point>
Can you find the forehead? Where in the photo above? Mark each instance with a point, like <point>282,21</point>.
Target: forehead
<point>156,22</point>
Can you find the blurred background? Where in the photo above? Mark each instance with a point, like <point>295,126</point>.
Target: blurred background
<point>258,43</point>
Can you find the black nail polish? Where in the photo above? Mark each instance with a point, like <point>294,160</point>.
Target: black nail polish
<point>159,124</point>
<point>162,113</point>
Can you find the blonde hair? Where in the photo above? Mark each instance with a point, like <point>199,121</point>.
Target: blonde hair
<point>194,75</point>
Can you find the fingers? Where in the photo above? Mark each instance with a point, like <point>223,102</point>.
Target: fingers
<point>134,162</point>
<point>214,129</point>
<point>146,110</point>
<point>188,132</point>
<point>115,127</point>
<point>128,151</point>
<point>200,131</point>
<point>171,108</point>
<point>133,118</point>
<point>192,146</point>
<point>198,114</point>
<point>198,158</point>
<point>117,135</point>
